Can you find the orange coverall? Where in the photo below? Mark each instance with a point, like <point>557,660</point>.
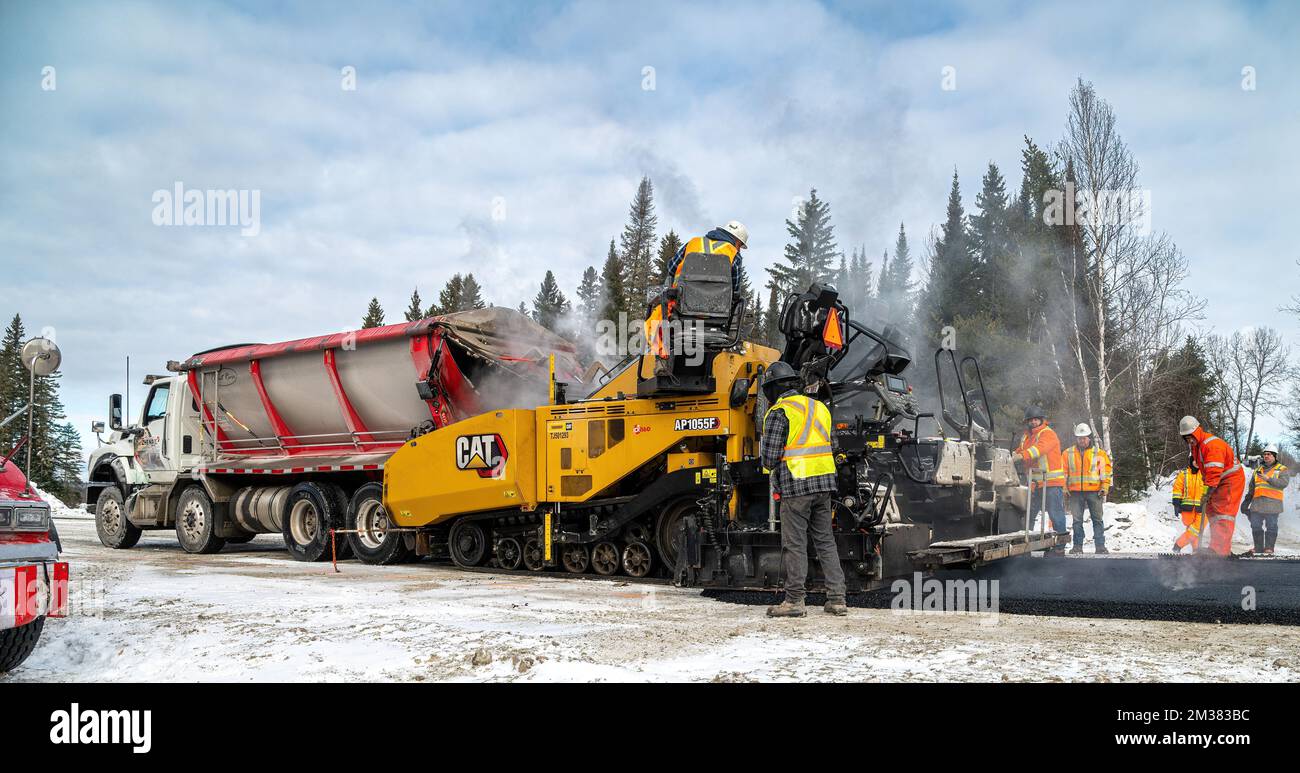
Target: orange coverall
<point>1222,472</point>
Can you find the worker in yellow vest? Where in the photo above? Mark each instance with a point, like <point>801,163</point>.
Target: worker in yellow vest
<point>1189,506</point>
<point>798,453</point>
<point>727,240</point>
<point>1263,502</point>
<point>1087,483</point>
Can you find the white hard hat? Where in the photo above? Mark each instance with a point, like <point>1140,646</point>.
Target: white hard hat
<point>1271,448</point>
<point>1082,430</point>
<point>738,230</point>
<point>1187,425</point>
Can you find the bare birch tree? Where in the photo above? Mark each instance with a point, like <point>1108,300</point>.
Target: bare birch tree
<point>1255,369</point>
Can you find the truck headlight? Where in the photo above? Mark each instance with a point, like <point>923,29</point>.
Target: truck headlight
<point>6,517</point>
<point>31,519</point>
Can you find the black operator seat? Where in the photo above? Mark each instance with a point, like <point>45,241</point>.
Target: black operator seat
<point>706,297</point>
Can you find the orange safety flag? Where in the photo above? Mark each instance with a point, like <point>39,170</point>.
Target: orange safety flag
<point>831,334</point>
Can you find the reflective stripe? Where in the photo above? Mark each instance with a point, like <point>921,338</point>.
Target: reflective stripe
<point>1214,518</point>
<point>809,451</point>
<point>1230,470</point>
<point>1216,464</point>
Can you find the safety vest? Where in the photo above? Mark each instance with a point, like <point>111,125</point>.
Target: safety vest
<point>808,452</point>
<point>1088,470</point>
<point>703,245</point>
<point>1266,482</point>
<point>1041,449</point>
<point>1189,488</point>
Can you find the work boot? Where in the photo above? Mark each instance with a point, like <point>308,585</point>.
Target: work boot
<point>787,609</point>
<point>836,607</point>
<point>1101,551</point>
<point>1076,550</point>
<point>1268,551</point>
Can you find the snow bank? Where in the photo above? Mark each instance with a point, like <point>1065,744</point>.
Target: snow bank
<point>60,510</point>
<point>1149,525</point>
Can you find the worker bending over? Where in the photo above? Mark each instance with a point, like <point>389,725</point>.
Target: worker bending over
<point>726,240</point>
<point>1263,502</point>
<point>798,453</point>
<point>1189,505</point>
<point>1224,481</point>
<point>1040,453</point>
<point>1087,482</point>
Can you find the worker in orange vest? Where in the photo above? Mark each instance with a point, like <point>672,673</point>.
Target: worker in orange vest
<point>1189,493</point>
<point>1087,483</point>
<point>1224,478</point>
<point>1263,502</point>
<point>1039,453</point>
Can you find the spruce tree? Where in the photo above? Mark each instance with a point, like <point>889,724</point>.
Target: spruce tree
<point>374,315</point>
<point>415,311</point>
<point>810,255</point>
<point>990,236</point>
<point>13,383</point>
<point>549,305</point>
<point>471,294</point>
<point>589,297</point>
<point>951,291</point>
<point>668,247</point>
<point>450,297</point>
<point>613,289</point>
<point>637,244</point>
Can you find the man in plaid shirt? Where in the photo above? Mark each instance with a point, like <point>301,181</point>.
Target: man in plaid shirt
<point>797,450</point>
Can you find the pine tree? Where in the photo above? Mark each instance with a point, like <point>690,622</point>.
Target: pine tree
<point>897,292</point>
<point>990,236</point>
<point>772,319</point>
<point>589,297</point>
<point>450,297</point>
<point>549,305</point>
<point>13,383</point>
<point>636,245</point>
<point>415,311</point>
<point>471,295</point>
<point>374,315</point>
<point>951,291</point>
<point>614,295</point>
<point>811,252</point>
<point>668,247</point>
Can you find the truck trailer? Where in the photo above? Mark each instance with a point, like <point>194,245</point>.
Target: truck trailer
<point>292,438</point>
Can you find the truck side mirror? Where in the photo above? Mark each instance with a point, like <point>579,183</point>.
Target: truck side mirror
<point>115,412</point>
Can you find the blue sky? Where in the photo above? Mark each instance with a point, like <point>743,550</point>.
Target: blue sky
<point>542,106</point>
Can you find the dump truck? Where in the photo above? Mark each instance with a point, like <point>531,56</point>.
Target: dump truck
<point>659,474</point>
<point>292,437</point>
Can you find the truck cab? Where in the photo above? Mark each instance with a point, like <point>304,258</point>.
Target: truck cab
<point>133,475</point>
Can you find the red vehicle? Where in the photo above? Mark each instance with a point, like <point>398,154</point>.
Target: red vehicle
<point>33,582</point>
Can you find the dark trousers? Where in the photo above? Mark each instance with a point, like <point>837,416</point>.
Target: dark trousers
<point>1263,527</point>
<point>1078,500</point>
<point>801,516</point>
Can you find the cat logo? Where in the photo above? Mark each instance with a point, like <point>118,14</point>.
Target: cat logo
<point>484,454</point>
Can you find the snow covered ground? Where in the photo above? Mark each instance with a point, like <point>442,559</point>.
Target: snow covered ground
<point>250,613</point>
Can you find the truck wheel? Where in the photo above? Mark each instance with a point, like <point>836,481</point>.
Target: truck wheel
<point>196,526</point>
<point>115,531</point>
<point>373,542</point>
<point>17,643</point>
<point>311,510</point>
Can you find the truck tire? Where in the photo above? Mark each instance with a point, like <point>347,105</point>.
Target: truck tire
<point>373,543</point>
<point>114,530</point>
<point>311,510</point>
<point>196,523</point>
<point>17,643</point>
